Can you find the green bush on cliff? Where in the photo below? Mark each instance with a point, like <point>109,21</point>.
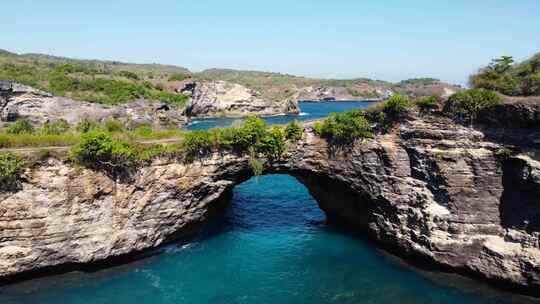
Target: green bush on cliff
<point>11,166</point>
<point>98,149</point>
<point>396,106</point>
<point>271,143</point>
<point>508,78</point>
<point>293,131</point>
<point>197,143</point>
<point>426,104</point>
<point>469,103</point>
<point>344,128</point>
<point>253,136</point>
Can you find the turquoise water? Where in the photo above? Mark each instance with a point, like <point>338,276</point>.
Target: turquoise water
<point>271,246</point>
<point>309,110</point>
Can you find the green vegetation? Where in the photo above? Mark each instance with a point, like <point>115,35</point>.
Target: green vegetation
<point>256,164</point>
<point>363,93</point>
<point>293,131</point>
<point>11,167</point>
<point>59,133</point>
<point>396,106</point>
<point>86,125</point>
<point>99,150</point>
<point>426,104</point>
<point>344,128</point>
<point>179,77</point>
<point>36,140</point>
<point>506,77</point>
<point>102,150</point>
<point>108,91</point>
<point>93,81</point>
<point>468,104</point>
<point>58,127</point>
<point>113,125</point>
<point>253,134</point>
<point>129,75</point>
<point>21,126</point>
<point>418,82</point>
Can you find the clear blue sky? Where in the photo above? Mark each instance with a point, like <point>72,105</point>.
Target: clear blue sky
<point>390,39</point>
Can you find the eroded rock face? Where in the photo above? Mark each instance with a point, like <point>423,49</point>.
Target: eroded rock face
<point>222,98</point>
<point>40,107</point>
<point>444,90</point>
<point>328,93</point>
<point>374,92</point>
<point>432,190</point>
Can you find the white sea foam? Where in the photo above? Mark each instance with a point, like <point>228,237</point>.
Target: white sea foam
<point>303,114</point>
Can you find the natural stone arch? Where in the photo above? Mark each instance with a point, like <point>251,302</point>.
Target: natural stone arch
<point>431,189</point>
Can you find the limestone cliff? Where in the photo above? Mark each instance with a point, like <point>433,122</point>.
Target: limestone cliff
<point>432,190</point>
<point>40,107</point>
<point>222,98</point>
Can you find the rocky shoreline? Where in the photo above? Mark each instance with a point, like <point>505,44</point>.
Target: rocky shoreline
<point>432,190</point>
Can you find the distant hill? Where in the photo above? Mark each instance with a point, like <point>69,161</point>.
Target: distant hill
<point>104,64</point>
<point>277,86</point>
<point>103,81</point>
<point>114,82</point>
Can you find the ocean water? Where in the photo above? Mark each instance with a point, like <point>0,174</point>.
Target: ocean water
<point>308,110</point>
<point>271,245</point>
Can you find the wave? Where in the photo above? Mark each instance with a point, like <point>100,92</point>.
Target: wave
<point>303,114</point>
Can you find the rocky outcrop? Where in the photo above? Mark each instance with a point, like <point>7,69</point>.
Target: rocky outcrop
<point>221,98</point>
<point>414,90</point>
<point>40,107</point>
<point>374,92</point>
<point>330,93</point>
<point>431,190</point>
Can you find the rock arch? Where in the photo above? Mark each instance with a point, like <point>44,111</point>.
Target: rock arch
<point>431,190</point>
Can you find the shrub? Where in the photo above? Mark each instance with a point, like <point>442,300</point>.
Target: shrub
<point>11,167</point>
<point>272,143</point>
<point>344,128</point>
<point>58,127</point>
<point>249,134</point>
<point>197,143</point>
<point>173,99</point>
<point>469,103</point>
<point>114,125</point>
<point>503,76</point>
<point>253,134</point>
<point>144,130</point>
<point>293,131</point>
<point>396,106</point>
<point>99,150</point>
<point>426,104</point>
<point>21,126</point>
<point>129,75</point>
<point>179,77</point>
<point>86,125</point>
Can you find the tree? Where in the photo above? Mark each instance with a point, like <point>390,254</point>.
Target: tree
<point>502,65</point>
